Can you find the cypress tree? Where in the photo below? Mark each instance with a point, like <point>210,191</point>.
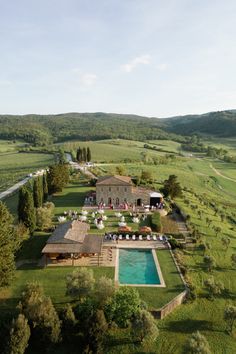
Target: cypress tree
<point>45,188</point>
<point>78,154</point>
<point>88,154</point>
<point>26,210</point>
<point>37,193</point>
<point>84,154</point>
<point>57,177</point>
<point>19,335</point>
<point>42,316</point>
<point>8,246</point>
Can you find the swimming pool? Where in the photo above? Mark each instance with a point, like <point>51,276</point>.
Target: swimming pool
<point>138,267</point>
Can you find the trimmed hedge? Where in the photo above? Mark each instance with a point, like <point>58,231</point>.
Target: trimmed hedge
<point>156,222</point>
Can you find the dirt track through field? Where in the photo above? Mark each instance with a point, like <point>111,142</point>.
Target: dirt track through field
<point>220,174</point>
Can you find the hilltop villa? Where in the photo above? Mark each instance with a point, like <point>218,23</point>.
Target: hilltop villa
<point>119,190</point>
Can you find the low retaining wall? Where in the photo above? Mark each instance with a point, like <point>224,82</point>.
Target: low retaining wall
<point>168,308</point>
<point>178,300</point>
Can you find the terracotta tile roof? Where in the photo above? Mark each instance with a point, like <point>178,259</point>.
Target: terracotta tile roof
<point>114,181</point>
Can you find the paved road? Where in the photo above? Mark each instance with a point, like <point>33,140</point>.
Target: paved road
<point>83,169</point>
<point>14,188</point>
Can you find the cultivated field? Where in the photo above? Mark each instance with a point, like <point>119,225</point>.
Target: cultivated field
<point>15,166</point>
<point>122,150</point>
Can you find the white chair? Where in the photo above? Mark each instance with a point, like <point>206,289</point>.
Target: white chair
<point>120,237</point>
<point>140,237</point>
<point>148,237</point>
<point>133,237</point>
<point>160,238</point>
<point>154,238</point>
<point>127,237</point>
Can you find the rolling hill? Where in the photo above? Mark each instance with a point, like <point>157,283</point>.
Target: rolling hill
<point>45,129</point>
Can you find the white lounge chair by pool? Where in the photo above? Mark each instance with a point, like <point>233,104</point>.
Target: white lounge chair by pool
<point>140,237</point>
<point>133,237</point>
<point>154,238</point>
<point>160,238</point>
<point>127,237</point>
<point>120,237</point>
<point>148,237</point>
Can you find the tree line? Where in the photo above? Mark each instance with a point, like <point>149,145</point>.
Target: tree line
<point>33,208</point>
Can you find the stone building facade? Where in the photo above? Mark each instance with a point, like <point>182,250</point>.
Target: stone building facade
<point>118,190</point>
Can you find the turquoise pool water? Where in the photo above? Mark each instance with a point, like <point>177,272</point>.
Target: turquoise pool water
<point>137,267</point>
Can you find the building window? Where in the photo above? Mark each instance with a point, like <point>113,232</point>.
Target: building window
<point>109,189</point>
<point>125,189</point>
<point>117,188</point>
<point>102,189</point>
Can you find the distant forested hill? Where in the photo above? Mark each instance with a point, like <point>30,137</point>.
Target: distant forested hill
<point>45,129</point>
<point>222,124</point>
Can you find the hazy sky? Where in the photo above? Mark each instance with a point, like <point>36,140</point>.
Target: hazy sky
<point>149,57</point>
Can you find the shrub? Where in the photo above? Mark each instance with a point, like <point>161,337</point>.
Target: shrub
<point>156,222</point>
<point>175,244</point>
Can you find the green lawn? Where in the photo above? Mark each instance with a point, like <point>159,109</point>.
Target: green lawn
<point>53,280</point>
<point>157,297</point>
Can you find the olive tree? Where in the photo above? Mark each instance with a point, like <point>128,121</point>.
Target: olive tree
<point>143,326</point>
<point>80,283</point>
<point>197,344</point>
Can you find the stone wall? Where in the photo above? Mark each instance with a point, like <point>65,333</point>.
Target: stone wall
<point>116,194</point>
<point>121,194</point>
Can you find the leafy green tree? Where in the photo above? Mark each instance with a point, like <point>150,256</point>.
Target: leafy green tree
<point>210,262</point>
<point>197,344</point>
<point>38,192</point>
<point>214,287</point>
<point>88,155</point>
<point>19,335</point>
<point>230,317</point>
<point>120,170</point>
<point>225,242</point>
<point>233,259</point>
<point>146,176</point>
<point>40,312</point>
<point>80,283</point>
<point>103,290</point>
<point>45,188</point>
<point>9,243</point>
<point>172,187</point>
<point>217,230</point>
<point>44,216</point>
<point>57,177</point>
<point>143,326</point>
<point>68,322</point>
<point>97,329</point>
<point>123,306</point>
